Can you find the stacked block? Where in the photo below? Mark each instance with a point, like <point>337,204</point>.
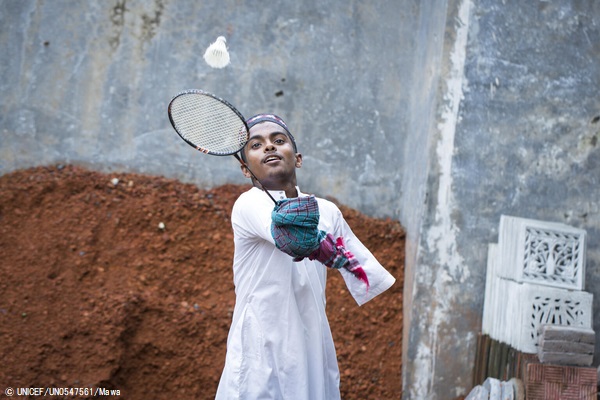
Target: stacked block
<point>531,379</point>
<point>566,345</point>
<point>535,277</point>
<point>537,317</point>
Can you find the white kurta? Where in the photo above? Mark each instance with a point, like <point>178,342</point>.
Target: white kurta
<point>280,344</point>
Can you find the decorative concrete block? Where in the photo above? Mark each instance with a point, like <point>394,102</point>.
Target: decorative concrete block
<point>519,310</point>
<point>540,252</point>
<point>539,305</point>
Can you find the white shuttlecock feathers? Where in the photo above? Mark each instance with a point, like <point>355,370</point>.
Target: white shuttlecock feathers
<point>216,55</point>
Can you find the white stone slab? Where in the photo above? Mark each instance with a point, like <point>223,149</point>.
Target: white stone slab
<point>478,393</point>
<point>493,386</point>
<point>508,390</point>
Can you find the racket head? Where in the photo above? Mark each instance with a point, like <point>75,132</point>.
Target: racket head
<point>208,123</point>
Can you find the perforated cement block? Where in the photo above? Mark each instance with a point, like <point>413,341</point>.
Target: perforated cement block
<point>544,253</point>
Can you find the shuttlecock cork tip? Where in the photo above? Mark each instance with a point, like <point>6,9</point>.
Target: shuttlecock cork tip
<point>217,56</point>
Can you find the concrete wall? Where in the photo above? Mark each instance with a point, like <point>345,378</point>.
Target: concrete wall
<point>517,129</point>
<point>89,82</point>
<point>444,114</point>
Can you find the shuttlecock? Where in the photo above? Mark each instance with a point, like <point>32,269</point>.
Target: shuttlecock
<point>216,55</point>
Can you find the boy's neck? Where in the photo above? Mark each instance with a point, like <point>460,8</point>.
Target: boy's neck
<point>290,190</point>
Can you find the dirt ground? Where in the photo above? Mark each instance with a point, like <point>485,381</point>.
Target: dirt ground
<point>94,292</point>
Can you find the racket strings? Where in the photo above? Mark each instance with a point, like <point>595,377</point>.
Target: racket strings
<point>207,123</point>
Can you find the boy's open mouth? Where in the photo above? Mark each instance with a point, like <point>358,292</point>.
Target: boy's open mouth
<point>270,159</point>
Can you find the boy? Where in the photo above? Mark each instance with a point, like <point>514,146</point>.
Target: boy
<point>280,345</point>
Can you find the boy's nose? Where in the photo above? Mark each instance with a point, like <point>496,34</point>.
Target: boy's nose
<point>269,147</point>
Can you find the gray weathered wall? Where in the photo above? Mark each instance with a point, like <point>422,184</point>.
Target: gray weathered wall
<point>89,82</point>
<point>517,129</point>
<point>444,114</point>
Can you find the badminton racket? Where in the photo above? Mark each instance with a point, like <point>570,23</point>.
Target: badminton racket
<point>210,124</point>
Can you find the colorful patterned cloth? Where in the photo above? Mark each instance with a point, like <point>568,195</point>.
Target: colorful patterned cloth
<point>295,226</point>
<point>295,231</point>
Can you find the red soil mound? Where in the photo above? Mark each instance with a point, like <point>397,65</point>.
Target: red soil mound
<point>95,294</point>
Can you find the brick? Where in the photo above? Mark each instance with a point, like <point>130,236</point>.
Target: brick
<point>547,382</point>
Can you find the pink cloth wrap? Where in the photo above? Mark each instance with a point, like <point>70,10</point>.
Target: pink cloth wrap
<point>295,231</point>
<point>333,254</point>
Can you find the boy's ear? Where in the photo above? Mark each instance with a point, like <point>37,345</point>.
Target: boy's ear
<point>245,171</point>
<point>298,160</point>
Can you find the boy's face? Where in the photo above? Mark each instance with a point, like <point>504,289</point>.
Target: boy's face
<point>271,157</point>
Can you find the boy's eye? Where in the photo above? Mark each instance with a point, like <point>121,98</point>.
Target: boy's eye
<point>255,145</point>
<point>279,141</point>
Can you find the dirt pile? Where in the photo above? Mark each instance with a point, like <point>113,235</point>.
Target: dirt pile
<point>124,281</point>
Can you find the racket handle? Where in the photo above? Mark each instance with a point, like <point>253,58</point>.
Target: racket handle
<point>254,176</point>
